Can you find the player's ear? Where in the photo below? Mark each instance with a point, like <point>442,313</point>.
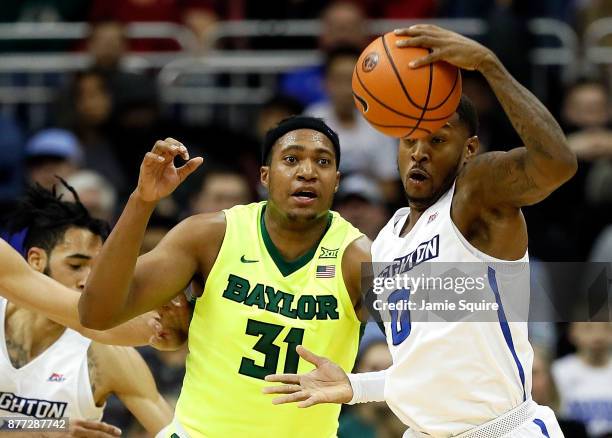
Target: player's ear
<point>472,146</point>
<point>37,258</point>
<point>264,175</point>
<point>337,181</point>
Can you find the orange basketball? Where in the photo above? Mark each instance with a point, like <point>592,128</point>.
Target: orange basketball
<point>401,101</point>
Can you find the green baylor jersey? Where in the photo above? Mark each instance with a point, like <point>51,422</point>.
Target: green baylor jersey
<point>254,311</point>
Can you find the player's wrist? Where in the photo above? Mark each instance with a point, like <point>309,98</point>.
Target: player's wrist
<point>141,202</point>
<point>367,387</point>
<point>488,63</point>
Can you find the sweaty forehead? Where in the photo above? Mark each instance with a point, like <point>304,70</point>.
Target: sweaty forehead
<point>305,137</point>
<point>79,240</point>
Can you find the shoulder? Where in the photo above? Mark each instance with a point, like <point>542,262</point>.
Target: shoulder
<point>356,254</point>
<point>358,251</point>
<point>202,225</point>
<point>200,232</point>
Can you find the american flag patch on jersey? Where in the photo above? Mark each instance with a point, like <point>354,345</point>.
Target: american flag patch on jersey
<point>326,271</point>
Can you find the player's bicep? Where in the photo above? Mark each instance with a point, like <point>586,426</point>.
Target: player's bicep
<point>509,179</point>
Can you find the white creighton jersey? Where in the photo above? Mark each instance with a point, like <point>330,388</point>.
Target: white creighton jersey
<point>585,394</point>
<point>53,385</point>
<point>450,373</point>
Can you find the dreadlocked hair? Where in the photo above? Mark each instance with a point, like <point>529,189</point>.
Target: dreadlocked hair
<point>47,217</point>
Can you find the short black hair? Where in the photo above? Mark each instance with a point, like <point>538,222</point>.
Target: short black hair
<point>293,123</point>
<point>340,51</point>
<point>468,115</point>
<point>47,217</point>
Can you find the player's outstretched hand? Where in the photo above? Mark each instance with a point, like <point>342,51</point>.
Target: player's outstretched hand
<point>91,429</point>
<point>171,325</point>
<point>445,45</point>
<point>327,383</point>
<point>158,175</point>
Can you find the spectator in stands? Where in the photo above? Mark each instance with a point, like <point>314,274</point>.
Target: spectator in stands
<point>360,201</point>
<point>343,23</point>
<point>371,420</point>
<point>86,109</point>
<point>137,122</point>
<point>364,150</point>
<point>544,392</point>
<point>584,379</point>
<point>221,188</point>
<point>585,117</point>
<point>107,44</point>
<point>277,108</point>
<point>96,193</point>
<point>52,152</point>
<point>586,105</point>
<point>199,15</point>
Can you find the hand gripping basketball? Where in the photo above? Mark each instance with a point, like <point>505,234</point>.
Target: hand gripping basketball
<point>401,101</point>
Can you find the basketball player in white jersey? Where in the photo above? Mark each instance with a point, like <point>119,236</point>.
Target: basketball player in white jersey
<point>467,379</point>
<point>164,329</point>
<point>46,370</point>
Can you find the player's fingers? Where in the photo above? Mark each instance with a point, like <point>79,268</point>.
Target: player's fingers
<point>417,29</point>
<point>182,149</point>
<point>153,159</point>
<point>189,167</point>
<point>418,41</point>
<point>99,426</point>
<point>179,301</point>
<point>169,150</point>
<point>433,56</point>
<point>291,398</point>
<point>310,356</point>
<point>283,378</point>
<point>310,401</point>
<point>284,389</point>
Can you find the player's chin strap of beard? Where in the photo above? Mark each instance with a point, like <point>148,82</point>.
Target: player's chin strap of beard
<point>299,122</point>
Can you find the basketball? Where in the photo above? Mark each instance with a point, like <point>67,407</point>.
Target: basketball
<point>400,101</point>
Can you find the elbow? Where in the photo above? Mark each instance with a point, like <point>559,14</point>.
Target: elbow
<point>568,165</point>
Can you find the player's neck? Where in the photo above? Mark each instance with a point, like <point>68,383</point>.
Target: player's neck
<point>291,241</point>
<point>595,359</point>
<point>33,332</point>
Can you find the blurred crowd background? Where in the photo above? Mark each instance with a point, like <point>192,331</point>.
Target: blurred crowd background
<point>88,86</point>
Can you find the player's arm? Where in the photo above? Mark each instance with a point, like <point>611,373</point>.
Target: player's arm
<point>524,175</point>
<point>27,288</point>
<point>327,383</point>
<point>357,257</point>
<point>122,285</point>
<point>124,373</point>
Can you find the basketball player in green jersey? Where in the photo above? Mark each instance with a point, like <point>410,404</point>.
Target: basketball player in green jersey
<point>277,274</point>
